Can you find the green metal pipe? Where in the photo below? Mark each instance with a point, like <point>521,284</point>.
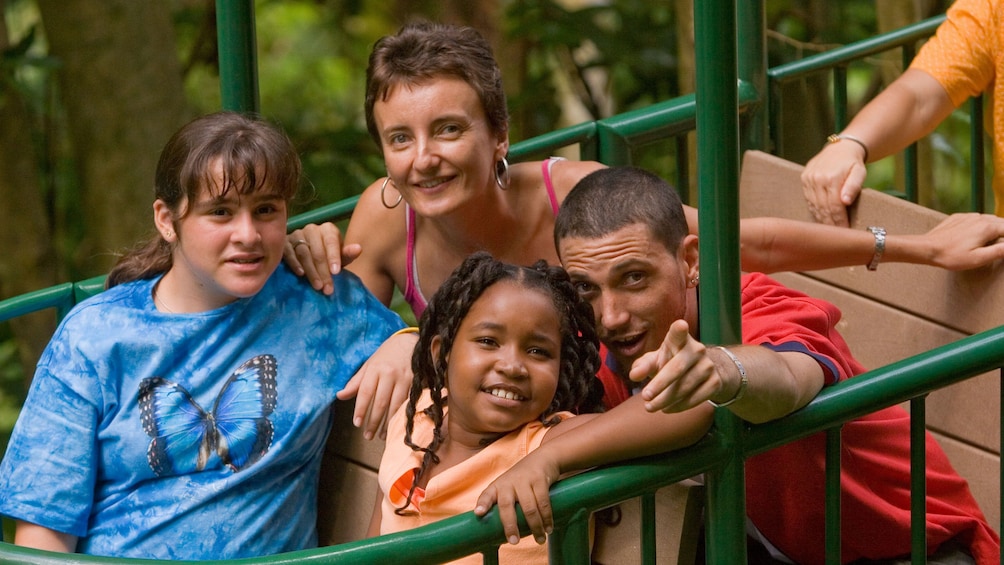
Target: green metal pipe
<point>717,119</point>
<point>841,56</point>
<point>648,533</point>
<point>886,386</point>
<point>918,480</point>
<point>751,26</point>
<point>235,35</point>
<point>839,98</point>
<point>570,545</point>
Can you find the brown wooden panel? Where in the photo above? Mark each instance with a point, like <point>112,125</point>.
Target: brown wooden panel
<point>971,301</point>
<point>879,334</point>
<point>678,515</point>
<point>347,493</point>
<point>347,441</point>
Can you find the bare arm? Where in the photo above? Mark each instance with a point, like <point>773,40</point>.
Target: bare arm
<point>375,229</point>
<point>39,537</point>
<point>960,241</point>
<point>683,374</point>
<point>910,108</point>
<point>625,432</point>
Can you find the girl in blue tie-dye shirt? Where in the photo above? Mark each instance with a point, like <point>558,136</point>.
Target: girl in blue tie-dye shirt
<point>182,413</point>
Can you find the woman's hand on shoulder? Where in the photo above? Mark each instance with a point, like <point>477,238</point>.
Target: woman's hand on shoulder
<point>316,252</point>
<point>381,385</point>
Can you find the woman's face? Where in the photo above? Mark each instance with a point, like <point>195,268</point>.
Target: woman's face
<point>226,247</point>
<point>437,144</point>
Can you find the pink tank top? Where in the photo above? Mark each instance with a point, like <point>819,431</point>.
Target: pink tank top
<point>412,290</point>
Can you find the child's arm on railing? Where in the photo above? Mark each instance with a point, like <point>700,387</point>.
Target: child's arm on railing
<point>585,441</point>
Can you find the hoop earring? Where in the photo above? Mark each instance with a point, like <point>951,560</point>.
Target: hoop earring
<point>383,200</point>
<point>502,180</point>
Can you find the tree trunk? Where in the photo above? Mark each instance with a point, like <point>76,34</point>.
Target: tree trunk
<point>121,85</point>
<point>25,231</point>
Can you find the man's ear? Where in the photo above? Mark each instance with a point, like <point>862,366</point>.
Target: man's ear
<point>689,256</point>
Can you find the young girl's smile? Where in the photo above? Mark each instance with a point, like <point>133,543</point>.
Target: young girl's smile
<point>504,364</point>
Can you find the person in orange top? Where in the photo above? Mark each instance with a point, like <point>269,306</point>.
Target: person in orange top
<point>965,58</point>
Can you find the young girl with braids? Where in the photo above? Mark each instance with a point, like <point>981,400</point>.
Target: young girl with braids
<point>505,356</point>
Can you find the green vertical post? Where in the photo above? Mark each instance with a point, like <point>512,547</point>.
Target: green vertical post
<point>911,175</point>
<point>918,480</point>
<point>752,67</point>
<point>235,36</point>
<point>718,210</point>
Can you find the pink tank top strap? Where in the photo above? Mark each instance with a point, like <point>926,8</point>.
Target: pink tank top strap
<point>545,170</point>
<point>412,290</point>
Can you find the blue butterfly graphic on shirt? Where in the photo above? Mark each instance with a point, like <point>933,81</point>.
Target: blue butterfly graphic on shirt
<point>237,429</point>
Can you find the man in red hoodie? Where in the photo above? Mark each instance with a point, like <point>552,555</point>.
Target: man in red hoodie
<point>622,237</point>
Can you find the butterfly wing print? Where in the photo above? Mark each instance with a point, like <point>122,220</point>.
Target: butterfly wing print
<point>241,413</point>
<point>237,429</point>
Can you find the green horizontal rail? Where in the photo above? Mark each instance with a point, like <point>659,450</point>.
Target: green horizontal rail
<point>601,488</point>
<point>841,56</point>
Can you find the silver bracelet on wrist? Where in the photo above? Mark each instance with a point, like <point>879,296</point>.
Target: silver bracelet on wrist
<point>743,379</point>
<point>879,234</point>
<point>835,137</point>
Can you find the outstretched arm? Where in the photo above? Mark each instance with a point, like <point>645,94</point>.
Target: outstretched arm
<point>625,432</point>
<point>960,241</point>
<point>910,108</point>
<point>682,373</point>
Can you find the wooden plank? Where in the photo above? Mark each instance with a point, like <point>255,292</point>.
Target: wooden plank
<point>678,516</point>
<point>347,441</point>
<point>901,310</point>
<point>346,495</point>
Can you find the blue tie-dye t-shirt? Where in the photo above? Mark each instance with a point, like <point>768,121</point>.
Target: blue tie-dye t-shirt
<point>192,436</point>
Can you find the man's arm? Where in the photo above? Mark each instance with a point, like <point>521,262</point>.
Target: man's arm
<point>778,383</point>
<point>684,373</point>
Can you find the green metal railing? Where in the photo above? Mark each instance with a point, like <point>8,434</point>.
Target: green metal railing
<point>714,112</point>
